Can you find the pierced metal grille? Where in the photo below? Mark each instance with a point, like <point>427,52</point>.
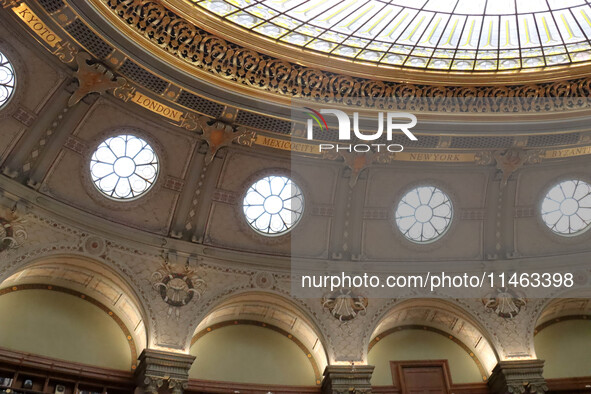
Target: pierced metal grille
<point>553,140</point>
<point>52,6</point>
<point>261,122</point>
<point>200,104</point>
<point>143,77</point>
<point>481,142</point>
<point>88,39</point>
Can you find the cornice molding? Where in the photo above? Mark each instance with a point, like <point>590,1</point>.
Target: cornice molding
<point>176,35</point>
<point>228,31</point>
<point>259,78</point>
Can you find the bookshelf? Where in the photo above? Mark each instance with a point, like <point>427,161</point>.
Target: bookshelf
<point>23,373</point>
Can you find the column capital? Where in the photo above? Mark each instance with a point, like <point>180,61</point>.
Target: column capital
<point>158,368</point>
<point>353,379</point>
<point>518,377</point>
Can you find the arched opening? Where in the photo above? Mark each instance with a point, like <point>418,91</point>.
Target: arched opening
<point>433,331</point>
<point>75,309</point>
<point>422,343</point>
<point>63,324</point>
<point>258,338</point>
<point>247,352</point>
<point>563,338</point>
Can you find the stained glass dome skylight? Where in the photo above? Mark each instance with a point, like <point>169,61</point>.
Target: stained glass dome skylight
<point>463,35</point>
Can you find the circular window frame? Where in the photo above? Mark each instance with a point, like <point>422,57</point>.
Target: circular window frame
<point>577,237</point>
<point>295,228</point>
<point>123,204</point>
<point>20,70</point>
<point>435,242</point>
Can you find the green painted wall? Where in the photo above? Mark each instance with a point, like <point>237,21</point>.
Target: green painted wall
<point>566,347</point>
<point>420,345</point>
<point>62,326</point>
<point>250,354</point>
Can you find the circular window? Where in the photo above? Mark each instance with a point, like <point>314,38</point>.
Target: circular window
<point>273,205</point>
<point>7,79</point>
<point>124,167</point>
<point>424,214</point>
<point>566,209</point>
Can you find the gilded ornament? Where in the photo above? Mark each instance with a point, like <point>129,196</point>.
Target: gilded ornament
<point>229,61</point>
<point>94,78</point>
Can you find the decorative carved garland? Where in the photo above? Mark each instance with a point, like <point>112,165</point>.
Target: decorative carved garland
<point>215,55</point>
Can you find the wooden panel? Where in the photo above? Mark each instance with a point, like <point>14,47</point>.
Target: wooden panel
<point>45,373</point>
<point>423,380</point>
<point>569,385</point>
<point>211,386</point>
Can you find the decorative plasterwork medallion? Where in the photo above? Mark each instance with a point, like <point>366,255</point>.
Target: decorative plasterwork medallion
<point>178,285</point>
<point>12,233</point>
<point>344,304</point>
<point>505,302</point>
<point>264,280</point>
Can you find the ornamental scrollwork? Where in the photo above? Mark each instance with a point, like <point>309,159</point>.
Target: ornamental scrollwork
<point>217,136</point>
<point>12,232</point>
<point>177,285</point>
<point>229,61</point>
<point>94,78</point>
<point>345,305</point>
<point>504,302</point>
<point>509,162</point>
<point>9,3</point>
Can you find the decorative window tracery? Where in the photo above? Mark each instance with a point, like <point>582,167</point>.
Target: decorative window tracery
<point>273,205</point>
<point>124,167</point>
<point>566,208</point>
<point>7,79</point>
<point>424,214</point>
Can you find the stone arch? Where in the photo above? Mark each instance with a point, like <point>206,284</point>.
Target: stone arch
<point>442,317</point>
<point>274,310</point>
<point>83,275</point>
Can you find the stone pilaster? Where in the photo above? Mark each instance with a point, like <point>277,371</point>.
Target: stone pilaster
<point>354,379</point>
<point>518,377</point>
<point>163,372</point>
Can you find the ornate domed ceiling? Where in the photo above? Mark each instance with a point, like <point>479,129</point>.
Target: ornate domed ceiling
<point>463,35</point>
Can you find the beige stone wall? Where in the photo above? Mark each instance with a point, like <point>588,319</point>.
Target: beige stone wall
<point>420,345</point>
<point>565,348</point>
<point>62,326</point>
<point>250,354</point>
